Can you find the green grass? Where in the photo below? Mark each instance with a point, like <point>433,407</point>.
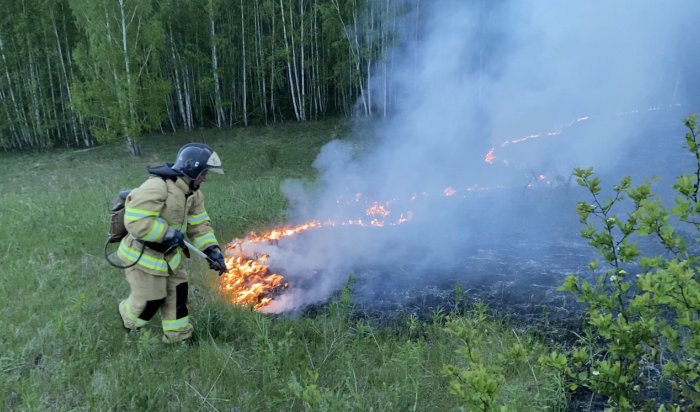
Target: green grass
<point>62,346</point>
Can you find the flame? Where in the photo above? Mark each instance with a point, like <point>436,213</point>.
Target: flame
<point>287,231</point>
<point>558,130</point>
<point>249,281</point>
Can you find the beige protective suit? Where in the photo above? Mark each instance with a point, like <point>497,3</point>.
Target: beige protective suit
<point>157,280</point>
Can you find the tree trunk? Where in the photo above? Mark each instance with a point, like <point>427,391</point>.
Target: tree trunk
<point>220,114</point>
<point>297,113</point>
<point>176,73</point>
<point>245,89</point>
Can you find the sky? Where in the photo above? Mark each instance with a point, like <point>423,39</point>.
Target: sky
<point>597,83</point>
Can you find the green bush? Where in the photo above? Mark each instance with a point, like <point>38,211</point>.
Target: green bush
<point>643,346</point>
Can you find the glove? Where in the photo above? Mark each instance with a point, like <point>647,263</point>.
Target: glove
<point>174,237</point>
<point>216,259</point>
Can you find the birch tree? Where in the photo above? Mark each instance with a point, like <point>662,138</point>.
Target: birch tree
<point>119,91</point>
<point>35,111</point>
<point>213,10</point>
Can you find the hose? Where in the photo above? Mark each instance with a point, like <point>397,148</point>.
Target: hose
<point>143,247</point>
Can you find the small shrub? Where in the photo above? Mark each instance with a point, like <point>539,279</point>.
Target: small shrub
<point>645,348</point>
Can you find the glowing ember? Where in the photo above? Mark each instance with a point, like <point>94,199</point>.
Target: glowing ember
<point>490,157</point>
<point>377,210</point>
<point>558,130</point>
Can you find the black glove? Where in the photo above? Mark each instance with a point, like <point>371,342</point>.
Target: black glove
<point>174,237</point>
<point>216,259</point>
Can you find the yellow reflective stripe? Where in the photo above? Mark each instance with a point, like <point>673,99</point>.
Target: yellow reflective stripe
<point>202,242</point>
<point>198,218</point>
<point>174,262</point>
<point>138,321</point>
<point>156,230</point>
<point>176,324</point>
<point>147,261</point>
<point>136,214</point>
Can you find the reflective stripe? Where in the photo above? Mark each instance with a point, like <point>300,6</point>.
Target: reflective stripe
<point>176,324</point>
<point>156,231</point>
<point>202,242</point>
<point>147,261</point>
<point>138,321</point>
<point>197,219</point>
<point>136,214</point>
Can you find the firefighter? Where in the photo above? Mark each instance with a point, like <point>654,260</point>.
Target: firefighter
<point>159,214</point>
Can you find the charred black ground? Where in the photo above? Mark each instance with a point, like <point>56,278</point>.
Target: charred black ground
<point>510,247</point>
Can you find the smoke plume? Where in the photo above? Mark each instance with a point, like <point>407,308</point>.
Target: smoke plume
<point>595,83</point>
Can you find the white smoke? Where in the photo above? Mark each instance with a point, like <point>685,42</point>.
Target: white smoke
<point>477,74</point>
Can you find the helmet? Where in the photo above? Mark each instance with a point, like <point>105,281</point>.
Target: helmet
<point>194,158</point>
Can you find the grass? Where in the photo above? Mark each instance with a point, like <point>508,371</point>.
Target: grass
<point>62,346</point>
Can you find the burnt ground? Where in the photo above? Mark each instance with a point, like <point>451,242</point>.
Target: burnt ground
<point>515,269</point>
<point>509,248</point>
<point>517,280</point>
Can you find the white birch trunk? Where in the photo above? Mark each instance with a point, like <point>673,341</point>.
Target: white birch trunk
<point>66,81</point>
<point>273,107</point>
<point>260,75</point>
<point>317,64</point>
<point>129,121</point>
<point>303,68</point>
<point>21,119</point>
<point>220,114</point>
<point>188,99</point>
<point>245,87</point>
<point>289,64</point>
<point>358,63</point>
<point>33,84</point>
<point>176,72</point>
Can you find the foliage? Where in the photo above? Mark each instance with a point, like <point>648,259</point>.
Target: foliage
<point>644,342</point>
<point>120,89</point>
<point>35,46</point>
<point>77,72</point>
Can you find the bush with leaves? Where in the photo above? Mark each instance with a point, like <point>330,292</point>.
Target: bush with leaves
<point>643,346</point>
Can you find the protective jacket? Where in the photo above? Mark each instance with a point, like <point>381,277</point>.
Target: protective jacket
<point>158,204</point>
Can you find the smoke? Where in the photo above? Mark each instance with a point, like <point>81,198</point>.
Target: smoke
<point>596,83</point>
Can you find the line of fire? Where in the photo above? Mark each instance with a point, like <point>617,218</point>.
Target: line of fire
<point>249,280</point>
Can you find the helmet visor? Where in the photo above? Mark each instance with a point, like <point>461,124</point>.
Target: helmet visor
<point>214,163</point>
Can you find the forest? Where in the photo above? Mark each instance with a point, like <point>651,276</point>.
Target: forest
<point>75,73</point>
<point>92,92</point>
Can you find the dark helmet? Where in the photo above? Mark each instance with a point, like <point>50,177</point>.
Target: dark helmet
<point>195,158</point>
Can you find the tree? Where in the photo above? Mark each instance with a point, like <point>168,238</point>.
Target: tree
<point>35,77</point>
<point>120,89</point>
